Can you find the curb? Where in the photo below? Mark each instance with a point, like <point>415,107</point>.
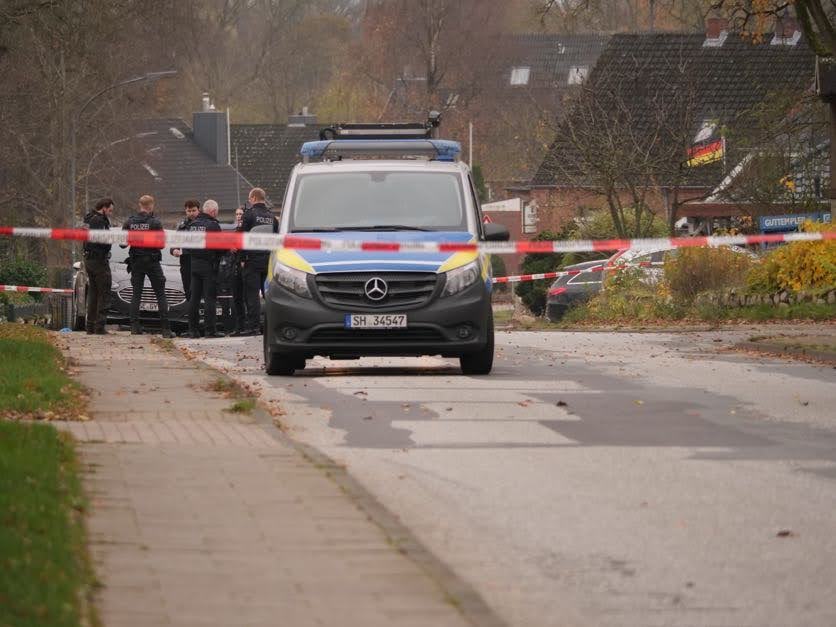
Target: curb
<point>455,590</point>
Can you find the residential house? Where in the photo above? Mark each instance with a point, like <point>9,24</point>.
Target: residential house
<point>537,75</point>
<point>173,162</point>
<point>680,111</point>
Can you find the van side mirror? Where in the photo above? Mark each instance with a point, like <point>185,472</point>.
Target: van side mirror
<point>496,232</point>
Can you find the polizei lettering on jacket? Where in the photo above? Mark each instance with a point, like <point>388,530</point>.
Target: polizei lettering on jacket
<point>141,226</point>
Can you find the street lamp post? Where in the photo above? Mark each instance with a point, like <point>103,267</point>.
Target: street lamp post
<point>145,78</point>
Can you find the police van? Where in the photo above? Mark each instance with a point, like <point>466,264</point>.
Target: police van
<point>385,183</point>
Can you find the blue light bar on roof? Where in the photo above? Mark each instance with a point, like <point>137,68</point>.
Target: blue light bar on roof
<point>437,149</point>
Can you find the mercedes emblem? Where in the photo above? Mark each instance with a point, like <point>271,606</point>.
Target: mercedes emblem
<point>376,289</point>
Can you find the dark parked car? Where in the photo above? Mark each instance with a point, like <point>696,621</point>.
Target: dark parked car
<point>567,291</point>
<point>120,292</point>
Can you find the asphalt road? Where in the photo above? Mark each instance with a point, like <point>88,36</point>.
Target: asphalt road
<point>594,479</point>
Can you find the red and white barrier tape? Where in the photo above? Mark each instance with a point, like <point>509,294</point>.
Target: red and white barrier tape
<point>554,275</point>
<point>269,241</point>
<point>27,288</point>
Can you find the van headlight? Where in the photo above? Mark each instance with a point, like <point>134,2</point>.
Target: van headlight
<point>291,279</point>
<point>461,278</point>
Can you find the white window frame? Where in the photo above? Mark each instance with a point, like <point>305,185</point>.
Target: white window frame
<point>577,75</point>
<point>520,75</point>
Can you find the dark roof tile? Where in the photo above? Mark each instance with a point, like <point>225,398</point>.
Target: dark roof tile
<point>266,153</point>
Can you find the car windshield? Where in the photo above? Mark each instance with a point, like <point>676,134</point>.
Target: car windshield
<point>431,201</point>
<point>120,255</point>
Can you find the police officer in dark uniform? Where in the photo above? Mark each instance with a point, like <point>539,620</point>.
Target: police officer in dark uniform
<point>254,262</point>
<point>192,208</point>
<point>97,267</point>
<point>205,274</point>
<point>146,262</point>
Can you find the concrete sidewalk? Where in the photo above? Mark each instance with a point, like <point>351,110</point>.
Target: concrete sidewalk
<point>204,517</point>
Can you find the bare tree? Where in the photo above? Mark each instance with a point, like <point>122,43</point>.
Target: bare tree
<point>420,51</point>
<point>623,140</point>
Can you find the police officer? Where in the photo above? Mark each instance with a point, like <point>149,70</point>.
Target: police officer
<point>192,208</point>
<point>205,274</point>
<point>254,262</point>
<point>97,267</point>
<point>144,261</point>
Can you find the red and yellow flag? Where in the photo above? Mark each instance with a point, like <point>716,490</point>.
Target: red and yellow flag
<point>706,153</point>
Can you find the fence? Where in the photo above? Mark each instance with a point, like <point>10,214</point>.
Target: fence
<point>54,312</point>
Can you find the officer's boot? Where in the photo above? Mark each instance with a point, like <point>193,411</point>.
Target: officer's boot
<point>165,330</point>
<point>136,328</point>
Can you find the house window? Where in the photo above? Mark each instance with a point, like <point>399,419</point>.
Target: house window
<point>577,74</point>
<point>519,75</point>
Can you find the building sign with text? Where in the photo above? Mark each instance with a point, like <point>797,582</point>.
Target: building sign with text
<point>790,221</point>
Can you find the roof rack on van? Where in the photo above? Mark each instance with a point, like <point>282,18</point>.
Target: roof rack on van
<point>394,140</point>
<point>433,149</point>
<point>388,130</point>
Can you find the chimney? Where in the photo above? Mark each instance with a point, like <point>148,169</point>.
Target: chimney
<point>303,118</point>
<point>714,26</point>
<point>787,32</point>
<point>211,131</point>
<point>716,31</point>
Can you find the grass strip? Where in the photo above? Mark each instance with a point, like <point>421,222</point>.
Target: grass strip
<point>45,575</point>
<point>33,378</point>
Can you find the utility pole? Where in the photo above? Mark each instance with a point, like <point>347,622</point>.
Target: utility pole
<point>470,144</point>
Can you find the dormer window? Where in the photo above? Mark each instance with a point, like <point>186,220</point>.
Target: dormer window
<point>786,41</point>
<point>577,74</point>
<point>716,42</point>
<point>520,75</point>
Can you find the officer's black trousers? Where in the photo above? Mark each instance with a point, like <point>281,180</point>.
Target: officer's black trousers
<point>186,274</point>
<point>238,310</point>
<point>204,286</point>
<point>98,291</point>
<point>142,266</point>
<point>254,275</point>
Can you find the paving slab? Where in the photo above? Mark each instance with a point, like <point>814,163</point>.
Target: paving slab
<point>200,516</point>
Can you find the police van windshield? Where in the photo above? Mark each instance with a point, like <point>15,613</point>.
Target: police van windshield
<point>336,201</point>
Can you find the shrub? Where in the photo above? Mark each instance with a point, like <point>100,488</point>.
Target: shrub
<point>695,270</point>
<point>598,224</point>
<point>627,298</point>
<point>533,293</point>
<point>498,269</point>
<point>20,271</point>
<point>797,266</point>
